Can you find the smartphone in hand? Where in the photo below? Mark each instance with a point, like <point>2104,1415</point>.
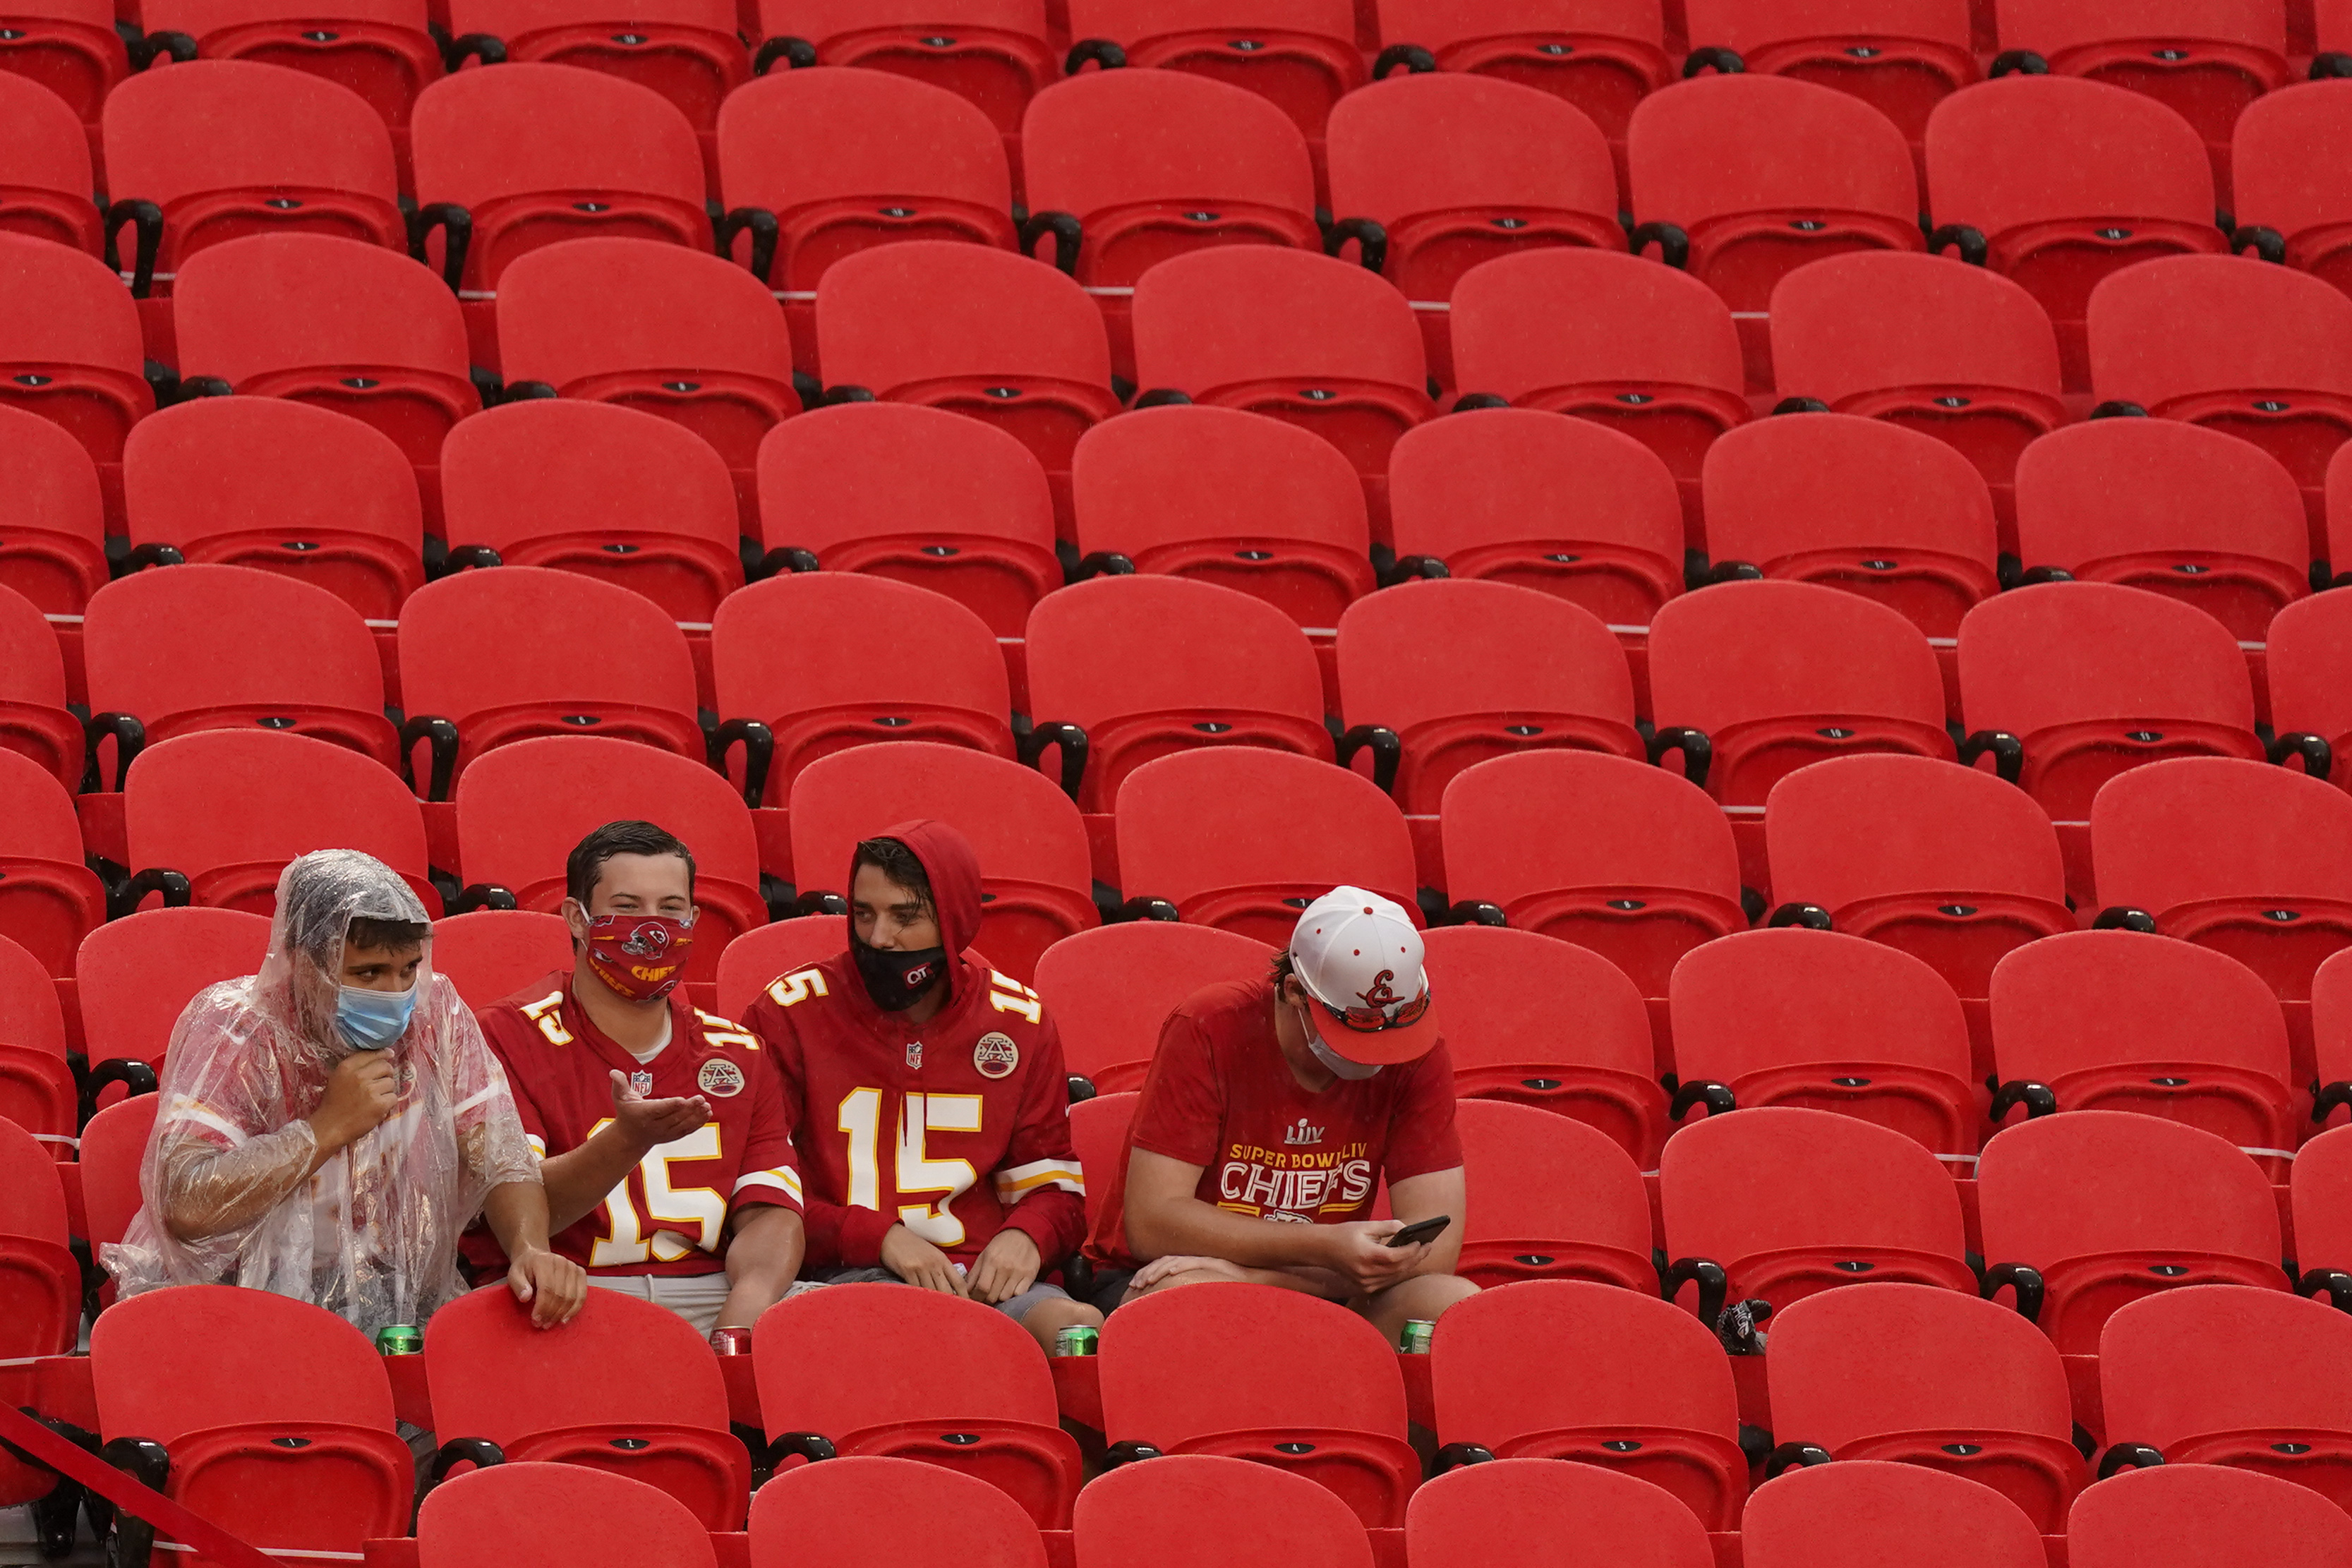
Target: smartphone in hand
<point>1422,1230</point>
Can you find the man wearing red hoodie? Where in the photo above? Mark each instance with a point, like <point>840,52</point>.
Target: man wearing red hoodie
<point>926,1090</point>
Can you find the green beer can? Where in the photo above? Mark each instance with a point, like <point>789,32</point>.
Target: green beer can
<point>1077,1341</point>
<point>399,1339</point>
<point>1418,1334</point>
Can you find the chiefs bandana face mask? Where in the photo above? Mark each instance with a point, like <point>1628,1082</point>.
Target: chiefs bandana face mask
<point>641,957</point>
<point>896,980</point>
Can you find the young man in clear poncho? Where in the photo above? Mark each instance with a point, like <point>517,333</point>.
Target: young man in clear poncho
<point>327,1127</point>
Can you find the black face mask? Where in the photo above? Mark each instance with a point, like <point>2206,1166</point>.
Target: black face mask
<point>896,981</point>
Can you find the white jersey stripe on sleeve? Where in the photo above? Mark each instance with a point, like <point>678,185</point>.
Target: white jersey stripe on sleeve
<point>186,1109</point>
<point>1016,1182</point>
<point>784,1179</point>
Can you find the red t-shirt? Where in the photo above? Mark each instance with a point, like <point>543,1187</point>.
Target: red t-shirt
<point>1220,1096</point>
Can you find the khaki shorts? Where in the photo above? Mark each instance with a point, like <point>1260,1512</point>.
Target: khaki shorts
<point>1016,1308</point>
<point>697,1298</point>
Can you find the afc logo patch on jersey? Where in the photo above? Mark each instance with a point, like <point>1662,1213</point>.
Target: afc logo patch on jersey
<point>995,1056</point>
<point>721,1078</point>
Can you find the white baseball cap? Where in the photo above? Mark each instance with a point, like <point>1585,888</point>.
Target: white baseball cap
<point>1359,956</point>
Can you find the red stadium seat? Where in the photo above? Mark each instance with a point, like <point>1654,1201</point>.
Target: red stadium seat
<point>70,350</point>
<point>656,328</point>
<point>2189,514</point>
<point>2291,203</point>
<point>1615,339</point>
<point>1849,1515</point>
<point>1956,353</point>
<point>1036,878</point>
<point>2111,1020</point>
<point>1900,56</point>
<point>916,495</point>
<point>1930,1379</point>
<point>597,489</point>
<point>685,50</point>
<point>173,652</point>
<point>757,958</point>
<point>2059,182</point>
<point>497,1378</point>
<point>1558,1200</point>
<point>1531,1021</point>
<point>1742,178</point>
<point>212,818</point>
<point>114,1145</point>
<point>794,654</point>
<point>335,324</point>
<point>1515,1513</point>
<point>1772,675</point>
<point>1145,666</point>
<point>1109,990</point>
<point>1656,875</point>
<point>2252,351</point>
<point>35,723</point>
<point>1558,505</point>
<point>1440,677</point>
<point>69,46</point>
<point>1201,1511</point>
<point>381,49</point>
<point>1099,1128</point>
<point>2206,1516</point>
<point>251,1368</point>
<point>1241,838</point>
<point>524,1515</point>
<point>831,1377</point>
<point>492,658</point>
<point>37,1083</point>
<point>282,488</point>
<point>40,1305</point>
<point>2320,1193</point>
<point>1559,1368</point>
<point>48,899</point>
<point>282,152</point>
<point>521,808</point>
<point>536,153</point>
<point>491,953</point>
<point>1828,1022</point>
<point>55,549</point>
<point>139,973</point>
<point>2308,662</point>
<point>1223,496</point>
<point>847,1513</point>
<point>961,327</point>
<point>2069,1197</point>
<point>995,53</point>
<point>1301,54</point>
<point>2336,498</point>
<point>1241,326</point>
<point>1600,55</point>
<point>46,184</point>
<point>1779,1204</point>
<point>2067,685</point>
<point>2252,1380</point>
<point>1242,1370</point>
<point>1854,504</point>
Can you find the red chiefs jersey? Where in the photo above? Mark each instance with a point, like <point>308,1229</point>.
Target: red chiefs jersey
<point>955,1127</point>
<point>670,1216</point>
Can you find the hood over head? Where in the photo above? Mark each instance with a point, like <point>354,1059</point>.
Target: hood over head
<point>949,861</point>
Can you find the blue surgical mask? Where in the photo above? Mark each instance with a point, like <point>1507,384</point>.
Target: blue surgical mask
<point>373,1019</point>
<point>1333,1062</point>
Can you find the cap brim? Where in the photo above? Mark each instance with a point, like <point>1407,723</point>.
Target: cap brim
<point>1384,1047</point>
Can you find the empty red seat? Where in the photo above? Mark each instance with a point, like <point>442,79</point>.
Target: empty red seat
<point>1240,1371</point>
<point>1196,1510</point>
<point>1561,506</point>
<point>1900,56</point>
<point>842,1514</point>
<point>1511,1513</point>
<point>1558,1369</point>
<point>492,954</point>
<point>37,1090</point>
<point>597,489</point>
<point>382,49</point>
<point>70,350</point>
<point>2290,202</point>
<point>524,1514</point>
<point>2066,685</point>
<point>536,153</point>
<point>1856,504</point>
<point>35,723</point>
<point>1442,676</point>
<point>1142,667</point>
<point>1956,353</point>
<point>495,657</point>
<point>1846,1516</point>
<point>1036,878</point>
<point>1110,988</point>
<point>1600,55</point>
<point>1615,339</point>
<point>793,654</point>
<point>1242,837</point>
<point>282,151</point>
<point>2308,662</point>
<point>46,187</point>
<point>282,488</point>
<point>1099,1128</point>
<point>1300,54</point>
<point>2058,183</point>
<point>69,46</point>
<point>770,959</point>
<point>212,818</point>
<point>114,1145</point>
<point>826,1375</point>
<point>48,899</point>
<point>2320,1193</point>
<point>1560,1201</point>
<point>995,53</point>
<point>1925,1378</point>
<point>54,553</point>
<point>2205,1515</point>
<point>138,973</point>
<point>659,328</point>
<point>685,50</point>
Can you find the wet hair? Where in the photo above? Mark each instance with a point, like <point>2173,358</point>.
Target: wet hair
<point>898,862</point>
<point>1282,968</point>
<point>366,933</point>
<point>588,857</point>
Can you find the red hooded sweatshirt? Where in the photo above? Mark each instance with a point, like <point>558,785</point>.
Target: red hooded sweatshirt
<point>956,1128</point>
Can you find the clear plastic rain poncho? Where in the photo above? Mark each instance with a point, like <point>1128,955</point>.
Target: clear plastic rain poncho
<point>229,1196</point>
